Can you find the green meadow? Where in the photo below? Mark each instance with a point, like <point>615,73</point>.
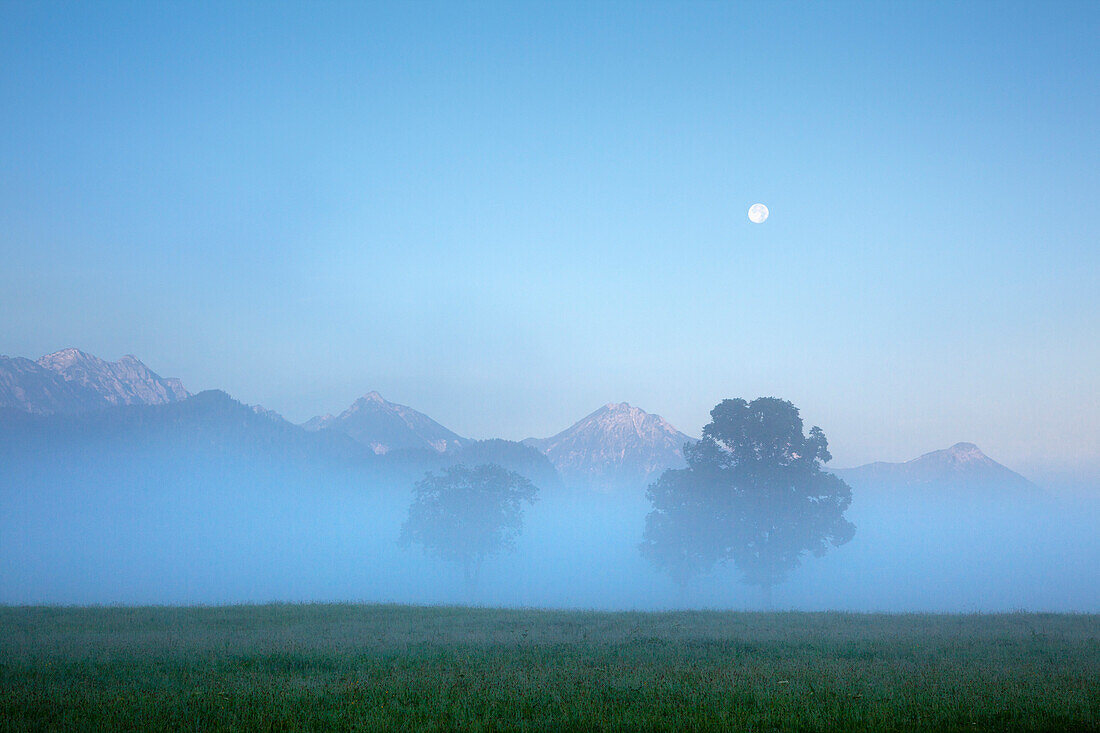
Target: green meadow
<point>371,667</point>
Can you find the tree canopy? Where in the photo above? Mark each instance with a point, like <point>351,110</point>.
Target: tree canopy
<point>753,493</point>
<point>468,514</point>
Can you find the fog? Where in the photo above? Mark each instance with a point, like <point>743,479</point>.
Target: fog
<point>160,526</point>
<point>508,214</point>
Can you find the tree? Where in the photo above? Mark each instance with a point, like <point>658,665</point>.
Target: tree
<point>683,533</point>
<point>466,515</point>
<point>753,493</point>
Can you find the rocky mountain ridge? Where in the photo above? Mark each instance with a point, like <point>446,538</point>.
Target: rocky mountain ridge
<point>71,381</point>
<point>615,445</point>
<point>385,426</point>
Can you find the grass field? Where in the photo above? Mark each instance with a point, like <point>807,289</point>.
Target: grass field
<point>288,667</point>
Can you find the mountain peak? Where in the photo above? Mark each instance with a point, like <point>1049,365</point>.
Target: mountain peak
<point>617,444</point>
<point>69,351</point>
<point>962,469</point>
<point>370,401</point>
<point>66,357</point>
<point>383,426</point>
<point>960,454</point>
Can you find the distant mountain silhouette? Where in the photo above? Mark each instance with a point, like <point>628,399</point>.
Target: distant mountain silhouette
<point>72,381</point>
<point>71,397</point>
<point>210,422</point>
<point>25,386</point>
<point>386,426</point>
<point>960,471</point>
<point>212,440</point>
<point>617,445</point>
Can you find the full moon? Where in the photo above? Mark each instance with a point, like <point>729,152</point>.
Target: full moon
<point>758,213</point>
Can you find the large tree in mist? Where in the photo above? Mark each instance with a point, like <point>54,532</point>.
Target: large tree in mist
<point>753,493</point>
<point>468,514</point>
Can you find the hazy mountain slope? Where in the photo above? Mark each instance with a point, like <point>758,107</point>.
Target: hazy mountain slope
<point>71,381</point>
<point>269,414</point>
<point>211,423</point>
<point>961,470</point>
<point>123,382</point>
<point>523,459</point>
<point>212,426</point>
<point>615,445</point>
<point>28,387</point>
<point>386,426</point>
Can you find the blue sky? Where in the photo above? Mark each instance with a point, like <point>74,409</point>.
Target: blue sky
<point>507,215</point>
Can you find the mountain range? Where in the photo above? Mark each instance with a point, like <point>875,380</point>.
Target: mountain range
<point>616,446</point>
<point>961,470</point>
<point>71,381</point>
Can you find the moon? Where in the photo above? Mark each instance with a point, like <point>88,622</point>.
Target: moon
<point>758,213</point>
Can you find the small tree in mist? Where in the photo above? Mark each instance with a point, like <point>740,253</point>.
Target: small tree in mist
<point>753,493</point>
<point>466,515</point>
<point>683,532</point>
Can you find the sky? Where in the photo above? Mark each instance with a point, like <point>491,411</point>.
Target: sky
<point>506,215</point>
